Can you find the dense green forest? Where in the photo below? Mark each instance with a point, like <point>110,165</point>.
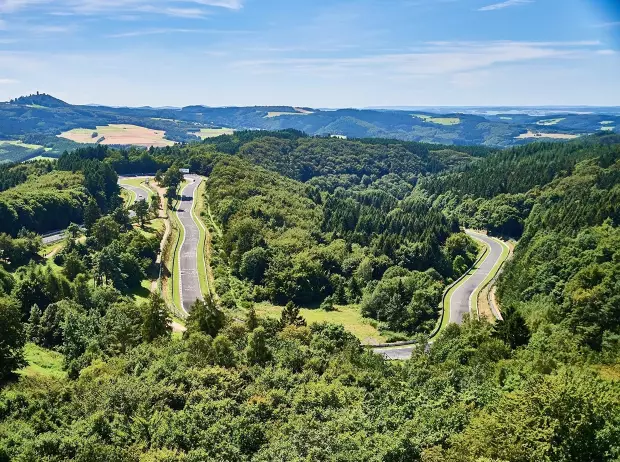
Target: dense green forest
<point>300,221</point>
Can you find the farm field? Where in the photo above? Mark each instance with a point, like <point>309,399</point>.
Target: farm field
<point>554,136</point>
<point>348,316</point>
<point>439,120</point>
<point>205,133</point>
<point>278,114</point>
<point>550,121</point>
<point>119,134</point>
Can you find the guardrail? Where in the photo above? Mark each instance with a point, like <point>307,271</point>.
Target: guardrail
<point>437,328</point>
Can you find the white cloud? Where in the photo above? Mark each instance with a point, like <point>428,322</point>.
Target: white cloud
<point>440,58</point>
<point>91,7</point>
<point>506,4</point>
<point>8,81</point>
<point>606,52</point>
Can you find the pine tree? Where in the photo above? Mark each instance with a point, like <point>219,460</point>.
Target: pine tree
<point>91,213</point>
<point>354,291</point>
<point>205,317</point>
<point>291,317</point>
<point>156,320</point>
<point>257,351</point>
<point>252,319</point>
<point>33,328</point>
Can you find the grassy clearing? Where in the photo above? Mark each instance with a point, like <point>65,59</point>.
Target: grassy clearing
<point>118,134</point>
<point>548,122</point>
<point>205,133</point>
<point>42,362</point>
<point>348,316</point>
<point>42,157</point>
<point>438,120</point>
<point>20,144</point>
<point>608,129</point>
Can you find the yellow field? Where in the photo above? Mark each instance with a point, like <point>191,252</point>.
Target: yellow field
<point>439,120</point>
<point>554,136</point>
<point>213,132</point>
<point>347,316</point>
<point>119,134</point>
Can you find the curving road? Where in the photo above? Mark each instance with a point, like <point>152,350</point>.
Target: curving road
<point>142,194</point>
<point>461,302</point>
<point>189,281</point>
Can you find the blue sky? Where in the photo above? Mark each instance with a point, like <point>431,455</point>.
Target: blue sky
<point>318,53</point>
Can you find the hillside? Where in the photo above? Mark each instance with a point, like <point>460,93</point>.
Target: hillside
<point>44,115</point>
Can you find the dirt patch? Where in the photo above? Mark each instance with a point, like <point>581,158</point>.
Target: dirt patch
<point>120,134</point>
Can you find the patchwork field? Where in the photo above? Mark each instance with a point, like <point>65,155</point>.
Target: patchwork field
<point>119,134</point>
<point>550,121</point>
<point>348,316</point>
<point>205,133</point>
<point>439,120</point>
<point>554,136</point>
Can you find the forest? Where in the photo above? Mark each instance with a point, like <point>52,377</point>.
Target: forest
<point>317,223</point>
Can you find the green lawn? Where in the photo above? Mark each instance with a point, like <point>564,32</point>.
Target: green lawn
<point>42,362</point>
<point>439,120</point>
<point>213,132</point>
<point>348,316</point>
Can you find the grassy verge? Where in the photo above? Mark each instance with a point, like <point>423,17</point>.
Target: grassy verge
<point>348,316</point>
<point>129,197</point>
<point>42,362</point>
<point>494,270</point>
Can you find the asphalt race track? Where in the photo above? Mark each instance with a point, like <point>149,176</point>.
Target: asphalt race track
<point>188,258</point>
<point>460,302</point>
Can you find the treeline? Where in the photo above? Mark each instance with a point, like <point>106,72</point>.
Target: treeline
<point>12,175</point>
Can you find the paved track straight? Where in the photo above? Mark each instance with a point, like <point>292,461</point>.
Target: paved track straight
<point>461,302</point>
<point>189,280</point>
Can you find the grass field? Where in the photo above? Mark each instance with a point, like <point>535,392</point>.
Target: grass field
<point>42,158</point>
<point>20,144</point>
<point>205,133</point>
<point>608,129</point>
<point>553,136</point>
<point>42,362</point>
<point>347,316</point>
<point>439,120</point>
<point>550,121</point>
<point>119,134</point>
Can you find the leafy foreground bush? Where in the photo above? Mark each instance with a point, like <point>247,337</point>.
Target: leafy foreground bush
<point>297,393</point>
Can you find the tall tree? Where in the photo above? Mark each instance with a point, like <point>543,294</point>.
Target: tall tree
<point>205,317</point>
<point>141,209</point>
<point>12,338</point>
<point>156,319</point>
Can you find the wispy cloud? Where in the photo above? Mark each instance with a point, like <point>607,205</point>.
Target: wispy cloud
<point>93,7</point>
<point>606,52</point>
<point>439,58</point>
<point>506,4</point>
<point>163,31</point>
<point>8,81</point>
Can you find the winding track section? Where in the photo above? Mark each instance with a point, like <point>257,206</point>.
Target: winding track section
<point>189,280</point>
<point>141,193</point>
<point>461,302</point>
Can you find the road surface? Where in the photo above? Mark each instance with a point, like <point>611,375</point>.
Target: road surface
<point>142,194</point>
<point>461,302</point>
<point>189,281</point>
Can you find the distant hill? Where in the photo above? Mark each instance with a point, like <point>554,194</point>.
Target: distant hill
<point>39,99</point>
<point>43,115</point>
